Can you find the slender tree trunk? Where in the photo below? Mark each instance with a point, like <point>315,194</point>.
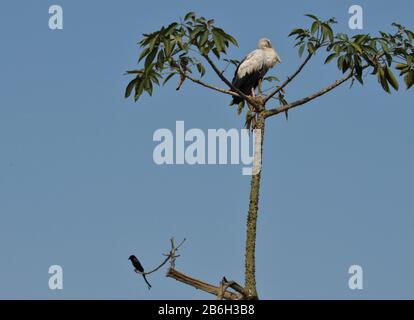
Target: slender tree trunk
<point>250,268</point>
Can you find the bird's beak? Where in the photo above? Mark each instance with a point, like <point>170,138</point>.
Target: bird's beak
<point>278,58</point>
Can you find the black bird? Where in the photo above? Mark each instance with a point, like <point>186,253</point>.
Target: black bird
<point>139,268</point>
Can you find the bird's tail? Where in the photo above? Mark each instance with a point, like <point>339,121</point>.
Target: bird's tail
<point>148,284</point>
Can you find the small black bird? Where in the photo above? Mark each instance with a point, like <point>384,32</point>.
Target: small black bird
<point>138,267</point>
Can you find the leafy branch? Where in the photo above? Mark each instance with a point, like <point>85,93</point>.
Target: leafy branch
<point>176,50</point>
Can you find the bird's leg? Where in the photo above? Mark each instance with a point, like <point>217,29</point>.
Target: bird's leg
<point>260,87</point>
<point>253,93</point>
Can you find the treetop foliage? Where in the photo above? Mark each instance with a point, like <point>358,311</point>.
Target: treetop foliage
<point>181,49</point>
<point>171,51</point>
<point>361,51</point>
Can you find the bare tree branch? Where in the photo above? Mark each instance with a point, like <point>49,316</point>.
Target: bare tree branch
<point>289,79</point>
<point>201,285</point>
<point>156,269</point>
<point>283,108</point>
<point>222,289</point>
<point>204,84</point>
<point>170,256</point>
<point>249,99</point>
<point>225,284</point>
<point>238,288</point>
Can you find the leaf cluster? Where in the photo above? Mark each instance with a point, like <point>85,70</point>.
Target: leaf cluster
<point>176,50</point>
<point>381,54</point>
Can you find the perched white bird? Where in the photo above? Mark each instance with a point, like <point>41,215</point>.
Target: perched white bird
<point>254,67</point>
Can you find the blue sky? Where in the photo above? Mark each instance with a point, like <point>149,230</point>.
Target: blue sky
<point>79,188</point>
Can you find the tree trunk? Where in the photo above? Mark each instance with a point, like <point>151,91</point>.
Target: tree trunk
<point>250,268</point>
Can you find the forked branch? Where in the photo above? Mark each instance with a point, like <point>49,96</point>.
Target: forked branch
<point>283,108</point>
<point>249,99</point>
<point>171,256</point>
<point>288,80</point>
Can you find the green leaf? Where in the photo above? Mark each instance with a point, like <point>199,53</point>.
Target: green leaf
<point>204,38</point>
<point>189,15</point>
<point>284,102</point>
<point>345,65</point>
<point>218,42</point>
<point>154,42</point>
<point>130,87</point>
<point>226,36</point>
<point>403,68</point>
<point>216,53</point>
<point>410,35</point>
<point>311,16</point>
<point>148,87</point>
<point>160,60</point>
<point>391,78</point>
<point>301,49</point>
<point>400,66</point>
<point>409,79</point>
<point>359,78</point>
<point>181,44</point>
<point>270,78</point>
<point>170,28</point>
<point>296,31</point>
<point>330,57</point>
<point>194,33</point>
<point>384,46</point>
<point>154,78</point>
<point>315,27</point>
<point>340,62</point>
<point>148,38</point>
<point>201,69</point>
<point>342,36</point>
<point>144,53</point>
<point>360,38</point>
<point>326,29</point>
<point>356,47</point>
<point>233,62</point>
<point>332,20</point>
<point>150,58</point>
<point>135,72</point>
<point>311,48</point>
<point>139,88</point>
<point>382,80</point>
<point>167,47</point>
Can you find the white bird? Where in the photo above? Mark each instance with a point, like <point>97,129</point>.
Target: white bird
<point>253,68</point>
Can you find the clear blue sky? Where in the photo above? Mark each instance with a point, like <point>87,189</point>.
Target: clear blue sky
<point>78,186</point>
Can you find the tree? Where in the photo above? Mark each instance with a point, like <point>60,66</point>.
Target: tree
<point>190,47</point>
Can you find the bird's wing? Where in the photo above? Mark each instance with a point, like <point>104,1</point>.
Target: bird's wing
<point>137,264</point>
<point>253,62</point>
